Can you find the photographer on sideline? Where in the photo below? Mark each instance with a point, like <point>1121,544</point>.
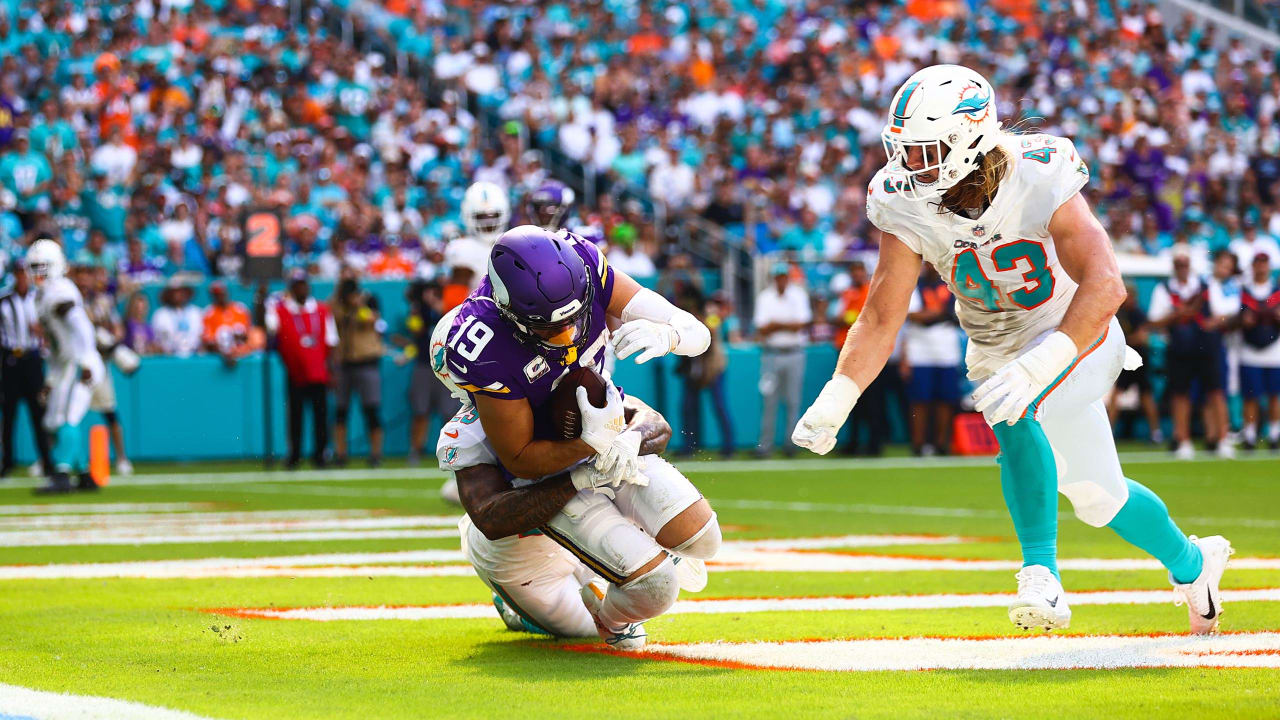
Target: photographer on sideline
<point>358,364</point>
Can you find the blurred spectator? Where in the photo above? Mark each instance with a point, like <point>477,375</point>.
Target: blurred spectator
<point>782,317</point>
<point>26,173</point>
<point>721,320</point>
<point>705,373</point>
<point>428,397</point>
<point>227,329</point>
<point>358,364</point>
<point>178,324</point>
<point>21,366</point>
<point>822,330</point>
<point>305,336</point>
<point>625,257</point>
<point>851,301</point>
<point>931,359</point>
<point>138,333</point>
<point>1180,306</point>
<point>1133,387</point>
<point>1260,355</point>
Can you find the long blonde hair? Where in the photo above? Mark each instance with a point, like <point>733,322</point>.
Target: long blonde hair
<point>978,187</point>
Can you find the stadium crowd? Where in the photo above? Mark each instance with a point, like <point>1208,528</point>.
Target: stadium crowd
<point>137,134</point>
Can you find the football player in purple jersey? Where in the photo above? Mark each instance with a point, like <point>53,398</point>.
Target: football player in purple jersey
<point>545,308</point>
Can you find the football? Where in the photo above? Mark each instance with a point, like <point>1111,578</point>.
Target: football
<point>563,403</point>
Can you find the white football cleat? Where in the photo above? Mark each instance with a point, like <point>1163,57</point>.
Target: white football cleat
<point>1041,603</point>
<point>1185,451</point>
<point>510,617</point>
<point>124,468</point>
<point>629,638</point>
<point>449,492</point>
<point>691,573</point>
<point>1226,449</point>
<point>1202,596</point>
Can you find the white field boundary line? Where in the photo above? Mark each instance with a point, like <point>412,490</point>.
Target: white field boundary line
<point>122,507</point>
<point>20,702</point>
<point>59,538</point>
<point>1037,652</point>
<point>217,522</point>
<point>732,560</point>
<point>696,466</point>
<point>735,606</point>
<point>933,511</point>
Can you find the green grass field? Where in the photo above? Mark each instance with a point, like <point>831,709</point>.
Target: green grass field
<point>81,613</point>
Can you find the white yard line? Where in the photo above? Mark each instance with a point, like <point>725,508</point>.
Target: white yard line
<point>735,606</point>
<point>62,508</point>
<point>221,522</point>
<point>25,703</point>
<point>60,538</point>
<point>1036,652</point>
<point>232,567</point>
<point>730,559</point>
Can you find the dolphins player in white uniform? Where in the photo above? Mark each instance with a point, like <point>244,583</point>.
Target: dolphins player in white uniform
<point>1002,219</point>
<point>75,367</point>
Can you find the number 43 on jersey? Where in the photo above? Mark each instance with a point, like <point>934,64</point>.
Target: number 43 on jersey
<point>972,282</point>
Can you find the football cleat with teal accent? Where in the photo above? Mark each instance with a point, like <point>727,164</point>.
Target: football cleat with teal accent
<point>629,638</point>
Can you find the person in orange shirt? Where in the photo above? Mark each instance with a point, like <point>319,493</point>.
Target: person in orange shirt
<point>390,263</point>
<point>227,328</point>
<point>851,301</point>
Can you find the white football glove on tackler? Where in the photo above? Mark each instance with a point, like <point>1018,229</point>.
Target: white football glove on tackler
<point>650,339</point>
<point>818,426</point>
<point>1016,385</point>
<point>586,477</point>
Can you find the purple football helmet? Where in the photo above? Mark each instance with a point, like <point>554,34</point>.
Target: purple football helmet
<point>549,205</point>
<point>542,287</point>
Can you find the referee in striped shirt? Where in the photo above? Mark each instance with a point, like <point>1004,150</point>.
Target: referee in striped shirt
<point>21,367</point>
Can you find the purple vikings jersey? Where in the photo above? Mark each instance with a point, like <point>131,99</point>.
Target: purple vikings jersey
<point>486,358</point>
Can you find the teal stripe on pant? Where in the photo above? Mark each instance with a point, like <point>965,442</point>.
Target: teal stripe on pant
<point>1029,479</point>
<point>1144,521</point>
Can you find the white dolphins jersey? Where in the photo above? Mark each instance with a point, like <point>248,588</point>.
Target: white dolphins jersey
<point>70,333</point>
<point>1002,267</point>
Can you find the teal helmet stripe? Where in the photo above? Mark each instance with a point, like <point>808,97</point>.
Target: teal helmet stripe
<point>899,111</point>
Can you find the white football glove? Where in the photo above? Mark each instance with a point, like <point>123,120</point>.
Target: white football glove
<point>818,426</point>
<point>649,338</point>
<point>586,477</point>
<point>600,426</point>
<point>620,462</point>
<point>1004,397</point>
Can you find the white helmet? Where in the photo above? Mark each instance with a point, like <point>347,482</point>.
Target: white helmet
<point>486,209</point>
<point>45,261</point>
<point>439,350</point>
<point>949,113</point>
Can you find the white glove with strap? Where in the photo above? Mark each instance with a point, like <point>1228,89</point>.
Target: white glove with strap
<point>818,426</point>
<point>586,477</point>
<point>1004,397</point>
<point>649,338</point>
<point>620,462</point>
<point>600,426</point>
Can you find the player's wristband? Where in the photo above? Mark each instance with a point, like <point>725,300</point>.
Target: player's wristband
<point>1050,358</point>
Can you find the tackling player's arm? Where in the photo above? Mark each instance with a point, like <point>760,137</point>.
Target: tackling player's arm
<point>1086,254</point>
<point>499,510</point>
<point>866,349</point>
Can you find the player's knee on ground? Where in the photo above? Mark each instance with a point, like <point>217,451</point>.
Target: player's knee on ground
<point>372,421</point>
<point>648,593</point>
<point>704,543</point>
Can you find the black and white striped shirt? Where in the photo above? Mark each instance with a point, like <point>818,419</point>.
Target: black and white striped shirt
<point>17,315</point>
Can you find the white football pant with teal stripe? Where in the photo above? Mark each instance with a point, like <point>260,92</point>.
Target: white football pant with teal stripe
<point>1086,468</point>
